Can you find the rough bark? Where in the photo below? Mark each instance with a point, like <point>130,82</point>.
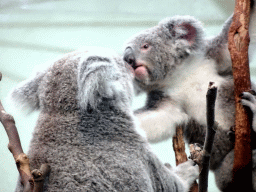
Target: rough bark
<point>179,146</point>
<point>238,47</point>
<point>180,154</point>
<point>39,177</point>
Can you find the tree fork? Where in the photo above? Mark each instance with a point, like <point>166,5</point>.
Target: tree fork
<point>238,47</point>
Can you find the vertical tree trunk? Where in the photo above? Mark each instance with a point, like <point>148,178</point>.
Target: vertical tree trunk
<point>238,47</point>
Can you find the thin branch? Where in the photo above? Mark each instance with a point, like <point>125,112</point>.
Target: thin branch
<point>210,133</point>
<point>180,154</point>
<point>238,47</point>
<point>39,177</point>
<point>179,146</point>
<point>22,161</point>
<point>31,183</point>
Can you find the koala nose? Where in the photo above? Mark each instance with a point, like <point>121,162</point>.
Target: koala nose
<point>129,57</point>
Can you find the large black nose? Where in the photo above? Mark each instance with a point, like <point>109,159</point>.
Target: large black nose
<point>129,56</point>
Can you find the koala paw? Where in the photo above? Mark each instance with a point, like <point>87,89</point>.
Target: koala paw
<point>196,152</point>
<point>168,165</point>
<point>231,134</point>
<point>249,102</point>
<point>188,172</point>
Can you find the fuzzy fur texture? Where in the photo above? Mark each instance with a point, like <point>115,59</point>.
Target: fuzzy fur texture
<point>178,63</point>
<point>86,130</point>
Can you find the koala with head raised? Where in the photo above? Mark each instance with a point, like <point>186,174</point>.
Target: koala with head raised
<point>173,63</point>
<point>86,130</point>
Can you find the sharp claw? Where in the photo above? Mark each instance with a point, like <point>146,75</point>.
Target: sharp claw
<point>253,92</point>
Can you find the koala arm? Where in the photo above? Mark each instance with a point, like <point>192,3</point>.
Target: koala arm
<point>217,47</point>
<point>188,172</point>
<point>178,178</point>
<point>160,122</point>
<point>252,31</point>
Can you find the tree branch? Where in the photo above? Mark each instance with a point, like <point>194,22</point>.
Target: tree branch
<point>210,133</point>
<point>179,146</point>
<point>238,47</point>
<point>31,183</point>
<point>180,154</point>
<point>22,161</point>
<point>39,177</point>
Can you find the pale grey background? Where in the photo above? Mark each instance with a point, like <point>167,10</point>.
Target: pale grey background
<point>33,32</point>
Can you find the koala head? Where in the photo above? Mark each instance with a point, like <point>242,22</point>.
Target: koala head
<point>104,78</point>
<point>76,81</point>
<point>155,53</point>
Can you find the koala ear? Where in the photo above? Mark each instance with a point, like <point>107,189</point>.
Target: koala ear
<point>26,93</point>
<point>185,31</point>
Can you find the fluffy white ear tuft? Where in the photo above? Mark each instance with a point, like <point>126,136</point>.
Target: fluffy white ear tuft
<point>101,77</point>
<point>186,31</point>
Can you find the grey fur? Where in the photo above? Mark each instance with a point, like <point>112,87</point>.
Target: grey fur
<point>217,48</point>
<point>29,88</point>
<point>178,63</point>
<point>86,130</point>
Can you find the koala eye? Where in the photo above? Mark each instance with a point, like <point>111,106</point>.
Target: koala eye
<point>145,46</point>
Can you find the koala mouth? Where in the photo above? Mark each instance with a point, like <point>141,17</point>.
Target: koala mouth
<point>141,72</point>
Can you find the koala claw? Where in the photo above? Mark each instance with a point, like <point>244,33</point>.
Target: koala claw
<point>196,152</point>
<point>248,99</point>
<point>168,165</point>
<point>231,134</point>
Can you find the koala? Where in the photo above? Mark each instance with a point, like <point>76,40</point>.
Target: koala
<point>86,130</point>
<point>173,64</point>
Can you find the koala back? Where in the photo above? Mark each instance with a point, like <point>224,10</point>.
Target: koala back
<point>53,89</point>
<point>58,90</point>
<point>86,130</point>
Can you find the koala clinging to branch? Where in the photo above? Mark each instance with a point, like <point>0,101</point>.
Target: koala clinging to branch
<point>173,63</point>
<point>86,130</point>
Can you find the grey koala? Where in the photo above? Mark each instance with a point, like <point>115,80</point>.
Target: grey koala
<point>173,63</point>
<point>86,129</point>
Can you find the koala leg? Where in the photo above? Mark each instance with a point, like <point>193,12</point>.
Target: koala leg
<point>224,173</point>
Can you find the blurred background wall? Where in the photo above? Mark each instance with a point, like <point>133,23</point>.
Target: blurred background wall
<point>33,32</point>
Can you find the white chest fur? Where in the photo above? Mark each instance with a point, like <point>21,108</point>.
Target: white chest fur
<point>189,88</point>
